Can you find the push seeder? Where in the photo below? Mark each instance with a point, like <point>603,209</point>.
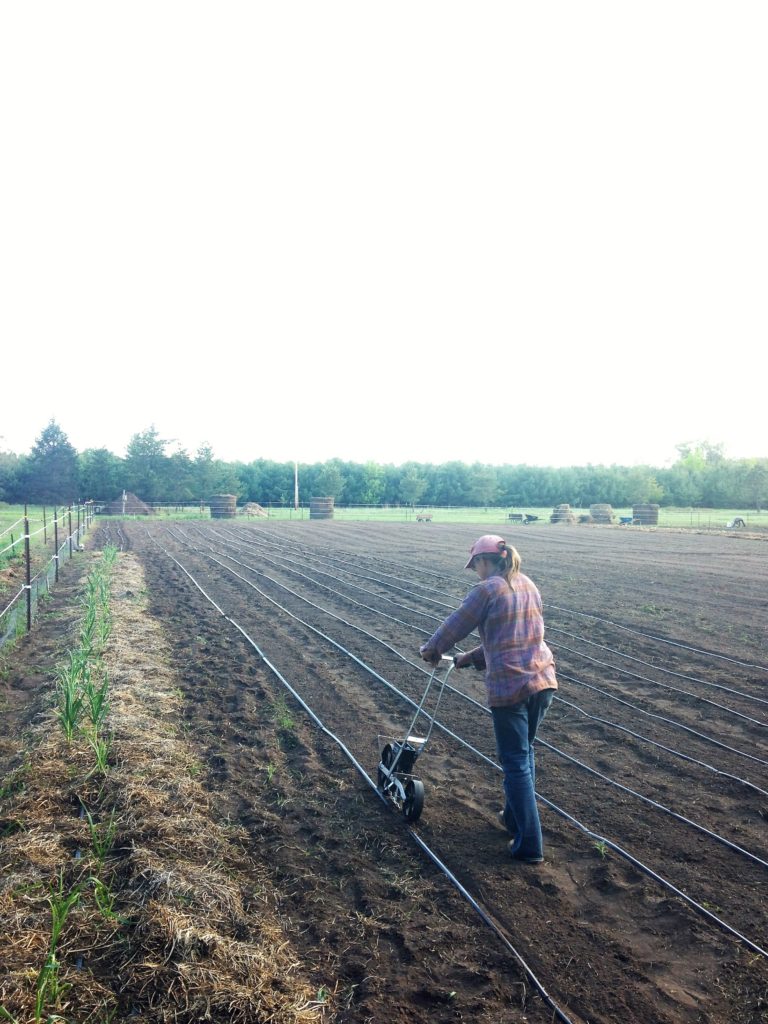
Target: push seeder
<point>398,757</point>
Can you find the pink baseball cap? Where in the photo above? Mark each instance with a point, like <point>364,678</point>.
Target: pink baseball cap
<point>490,544</point>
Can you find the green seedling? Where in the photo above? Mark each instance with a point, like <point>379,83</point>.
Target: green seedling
<point>101,748</point>
<point>96,697</point>
<point>48,988</point>
<point>105,900</point>
<point>601,846</point>
<point>282,714</point>
<point>102,836</point>
<point>70,700</point>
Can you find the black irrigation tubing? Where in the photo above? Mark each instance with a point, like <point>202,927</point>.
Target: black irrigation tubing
<point>596,618</point>
<point>564,814</point>
<point>653,803</point>
<point>550,629</point>
<point>465,697</point>
<point>569,612</point>
<point>668,721</point>
<point>558,1013</point>
<point>661,746</point>
<point>661,718</point>
<point>658,668</point>
<point>661,639</point>
<point>624,672</point>
<point>655,682</point>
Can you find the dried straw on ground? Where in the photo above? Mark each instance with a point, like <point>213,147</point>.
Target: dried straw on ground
<point>194,934</point>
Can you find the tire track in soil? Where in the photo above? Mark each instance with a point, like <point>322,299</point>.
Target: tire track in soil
<point>646,944</point>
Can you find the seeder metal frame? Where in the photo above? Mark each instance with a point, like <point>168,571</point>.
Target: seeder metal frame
<point>398,756</point>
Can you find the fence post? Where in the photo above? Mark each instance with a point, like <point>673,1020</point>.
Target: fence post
<point>56,541</point>
<point>69,513</point>
<point>45,528</point>
<point>27,570</point>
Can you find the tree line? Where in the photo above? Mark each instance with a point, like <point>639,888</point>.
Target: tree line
<point>54,471</point>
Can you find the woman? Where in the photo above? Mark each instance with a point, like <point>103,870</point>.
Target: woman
<point>505,608</point>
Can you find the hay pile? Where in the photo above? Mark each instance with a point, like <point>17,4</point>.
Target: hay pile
<point>252,508</point>
<point>190,930</point>
<point>562,514</point>
<point>132,506</point>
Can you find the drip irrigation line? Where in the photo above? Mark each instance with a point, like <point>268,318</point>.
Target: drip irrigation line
<point>656,877</point>
<point>596,618</point>
<point>660,639</point>
<point>553,629</point>
<point>659,807</point>
<point>480,706</point>
<point>658,668</point>
<point>476,906</point>
<point>664,686</point>
<point>661,746</point>
<point>585,640</point>
<point>557,750</point>
<point>418,629</point>
<point>380,678</point>
<point>620,850</point>
<point>661,718</point>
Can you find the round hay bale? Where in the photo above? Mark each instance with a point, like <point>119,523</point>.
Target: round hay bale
<point>602,513</point>
<point>646,514</point>
<point>321,508</point>
<point>223,506</point>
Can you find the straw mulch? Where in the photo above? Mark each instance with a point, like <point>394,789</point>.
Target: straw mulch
<point>192,933</point>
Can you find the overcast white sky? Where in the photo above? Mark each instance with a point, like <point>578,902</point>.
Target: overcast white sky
<point>503,232</point>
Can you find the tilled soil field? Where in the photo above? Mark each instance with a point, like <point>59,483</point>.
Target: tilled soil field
<point>652,767</point>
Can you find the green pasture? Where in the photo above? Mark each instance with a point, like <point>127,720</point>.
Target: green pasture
<point>40,531</point>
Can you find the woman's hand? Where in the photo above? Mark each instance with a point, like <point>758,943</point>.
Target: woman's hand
<point>430,654</point>
<point>462,660</point>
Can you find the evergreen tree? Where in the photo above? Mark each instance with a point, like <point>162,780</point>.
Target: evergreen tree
<point>51,471</point>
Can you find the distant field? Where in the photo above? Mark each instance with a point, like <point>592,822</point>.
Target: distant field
<point>681,518</point>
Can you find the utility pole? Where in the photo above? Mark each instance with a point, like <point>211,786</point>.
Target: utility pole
<point>296,486</point>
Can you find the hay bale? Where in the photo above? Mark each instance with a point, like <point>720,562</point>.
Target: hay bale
<point>562,514</point>
<point>223,506</point>
<point>646,514</point>
<point>602,513</point>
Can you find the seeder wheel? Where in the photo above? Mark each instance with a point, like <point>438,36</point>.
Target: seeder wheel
<point>414,799</point>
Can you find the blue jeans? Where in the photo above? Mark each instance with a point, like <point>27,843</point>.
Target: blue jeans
<point>515,729</point>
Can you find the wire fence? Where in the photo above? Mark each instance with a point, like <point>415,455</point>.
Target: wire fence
<point>529,515</point>
<point>27,548</point>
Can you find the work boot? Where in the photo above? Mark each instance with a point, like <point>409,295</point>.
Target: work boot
<point>524,860</point>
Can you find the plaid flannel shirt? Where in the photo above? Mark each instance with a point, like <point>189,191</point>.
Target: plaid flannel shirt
<point>516,660</point>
